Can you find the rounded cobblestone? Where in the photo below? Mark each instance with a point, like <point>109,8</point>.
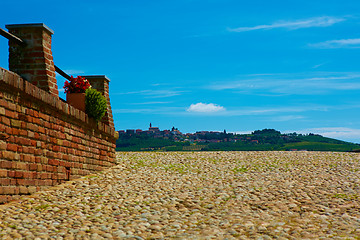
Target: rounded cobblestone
<point>199,195</point>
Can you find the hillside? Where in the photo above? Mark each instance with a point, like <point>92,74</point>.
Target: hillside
<point>259,140</point>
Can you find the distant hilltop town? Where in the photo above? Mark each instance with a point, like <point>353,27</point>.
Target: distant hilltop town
<point>264,140</point>
<point>208,136</point>
<point>175,135</point>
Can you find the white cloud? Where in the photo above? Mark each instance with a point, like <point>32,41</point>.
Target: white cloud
<point>302,83</point>
<point>286,118</point>
<point>342,43</point>
<point>319,65</point>
<point>149,103</point>
<point>343,133</point>
<point>150,110</point>
<point>246,111</point>
<point>154,93</point>
<point>292,25</point>
<point>205,108</point>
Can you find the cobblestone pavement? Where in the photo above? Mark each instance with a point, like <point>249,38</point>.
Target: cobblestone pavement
<point>200,195</point>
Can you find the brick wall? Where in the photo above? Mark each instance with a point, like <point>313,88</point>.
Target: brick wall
<point>45,141</point>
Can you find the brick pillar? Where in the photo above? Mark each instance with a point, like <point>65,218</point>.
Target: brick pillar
<point>34,61</point>
<point>101,83</point>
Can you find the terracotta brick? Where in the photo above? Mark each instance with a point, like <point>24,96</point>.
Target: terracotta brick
<point>16,131</point>
<point>31,134</point>
<point>5,120</point>
<point>31,150</point>
<point>29,158</point>
<point>11,114</point>
<point>39,167</point>
<point>4,198</point>
<point>18,174</point>
<point>25,141</point>
<point>12,106</point>
<point>23,132</point>
<point>41,130</point>
<point>27,175</point>
<point>3,145</point>
<point>32,166</point>
<point>12,147</point>
<point>22,165</point>
<point>8,155</point>
<point>23,190</point>
<point>4,181</point>
<point>37,159</point>
<point>6,164</point>
<point>32,189</point>
<point>48,182</point>
<point>49,168</point>
<point>38,152</point>
<point>15,123</point>
<point>11,174</point>
<point>56,148</point>
<point>34,176</point>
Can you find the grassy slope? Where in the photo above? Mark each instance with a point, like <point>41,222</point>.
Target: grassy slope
<point>310,143</point>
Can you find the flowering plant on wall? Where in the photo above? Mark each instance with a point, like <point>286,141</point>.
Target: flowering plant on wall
<point>76,85</point>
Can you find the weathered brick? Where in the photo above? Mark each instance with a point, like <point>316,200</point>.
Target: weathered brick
<point>3,173</point>
<point>4,198</point>
<point>15,123</point>
<point>32,189</point>
<point>30,182</point>
<point>19,174</point>
<point>9,190</point>
<point>8,155</point>
<point>10,114</point>
<point>3,145</point>
<point>12,106</point>
<point>4,181</point>
<point>5,164</point>
<point>23,132</point>
<point>33,166</point>
<point>16,131</point>
<point>11,174</point>
<point>49,168</point>
<point>22,165</point>
<point>30,134</point>
<point>27,175</point>
<point>5,120</point>
<point>43,175</point>
<point>39,168</point>
<point>23,190</point>
<point>12,147</point>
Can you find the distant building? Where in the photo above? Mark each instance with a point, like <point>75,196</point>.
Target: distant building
<point>130,131</point>
<point>153,129</point>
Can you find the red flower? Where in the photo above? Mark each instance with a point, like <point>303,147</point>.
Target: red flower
<point>76,85</point>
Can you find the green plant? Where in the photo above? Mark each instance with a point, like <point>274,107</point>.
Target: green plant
<point>95,103</point>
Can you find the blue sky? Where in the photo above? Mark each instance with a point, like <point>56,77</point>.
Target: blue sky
<point>212,65</point>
